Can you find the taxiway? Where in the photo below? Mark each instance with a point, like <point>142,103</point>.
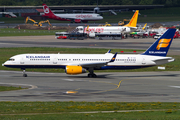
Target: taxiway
<point>50,41</point>
<point>117,87</point>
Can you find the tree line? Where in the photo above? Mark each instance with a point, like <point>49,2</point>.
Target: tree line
<point>88,2</point>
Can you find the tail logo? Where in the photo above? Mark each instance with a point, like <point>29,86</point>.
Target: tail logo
<point>46,10</point>
<point>163,43</point>
<point>113,58</point>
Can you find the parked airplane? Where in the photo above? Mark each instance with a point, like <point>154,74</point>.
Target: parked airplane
<point>130,27</point>
<point>77,18</point>
<point>80,63</point>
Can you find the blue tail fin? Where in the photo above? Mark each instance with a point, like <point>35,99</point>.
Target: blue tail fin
<point>161,46</point>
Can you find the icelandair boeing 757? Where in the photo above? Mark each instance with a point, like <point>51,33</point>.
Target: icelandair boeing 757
<point>80,63</point>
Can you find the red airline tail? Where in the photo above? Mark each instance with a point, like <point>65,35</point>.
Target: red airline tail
<point>47,11</point>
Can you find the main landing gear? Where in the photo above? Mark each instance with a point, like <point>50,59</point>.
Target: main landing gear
<point>24,73</point>
<point>91,73</point>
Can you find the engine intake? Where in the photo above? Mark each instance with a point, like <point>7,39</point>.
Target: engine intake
<point>73,70</point>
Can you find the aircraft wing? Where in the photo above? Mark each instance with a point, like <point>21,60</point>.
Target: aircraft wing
<point>98,64</point>
<point>133,28</point>
<point>95,64</point>
<point>112,12</point>
<point>107,11</point>
<point>88,11</point>
<point>82,11</point>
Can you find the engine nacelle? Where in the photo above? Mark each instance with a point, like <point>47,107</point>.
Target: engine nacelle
<point>73,70</point>
<point>77,20</point>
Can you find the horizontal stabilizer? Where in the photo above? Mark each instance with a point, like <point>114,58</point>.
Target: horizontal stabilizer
<point>165,58</point>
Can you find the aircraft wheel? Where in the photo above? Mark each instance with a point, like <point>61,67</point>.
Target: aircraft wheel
<point>90,75</point>
<point>24,75</point>
<point>94,75</point>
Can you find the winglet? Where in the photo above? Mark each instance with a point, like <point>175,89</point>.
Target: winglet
<point>144,26</point>
<point>87,29</point>
<point>133,21</point>
<point>113,58</point>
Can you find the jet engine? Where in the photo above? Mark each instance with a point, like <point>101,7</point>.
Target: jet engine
<point>73,70</point>
<point>77,20</point>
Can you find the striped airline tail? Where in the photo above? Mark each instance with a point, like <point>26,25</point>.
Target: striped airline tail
<point>161,46</point>
<point>133,21</point>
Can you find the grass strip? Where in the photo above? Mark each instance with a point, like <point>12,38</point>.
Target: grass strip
<point>22,32</point>
<point>84,110</point>
<point>9,107</point>
<point>9,88</point>
<point>144,115</point>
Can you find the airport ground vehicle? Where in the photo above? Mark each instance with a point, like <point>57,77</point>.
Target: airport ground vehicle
<point>145,35</point>
<point>78,36</point>
<point>40,23</point>
<point>108,36</point>
<point>136,36</point>
<point>152,34</point>
<point>157,36</point>
<point>124,22</point>
<point>177,35</point>
<point>36,23</point>
<point>61,35</point>
<point>106,24</point>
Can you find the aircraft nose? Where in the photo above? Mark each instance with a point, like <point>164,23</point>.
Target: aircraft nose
<point>101,17</point>
<point>4,63</point>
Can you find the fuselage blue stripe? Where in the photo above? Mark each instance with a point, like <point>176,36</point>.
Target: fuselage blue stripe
<point>63,67</point>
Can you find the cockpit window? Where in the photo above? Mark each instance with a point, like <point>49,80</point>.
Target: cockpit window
<point>11,59</point>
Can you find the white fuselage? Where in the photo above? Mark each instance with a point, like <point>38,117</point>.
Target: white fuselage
<point>106,29</point>
<point>82,16</point>
<point>122,61</point>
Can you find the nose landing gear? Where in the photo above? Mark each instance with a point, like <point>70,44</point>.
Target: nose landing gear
<point>24,73</point>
